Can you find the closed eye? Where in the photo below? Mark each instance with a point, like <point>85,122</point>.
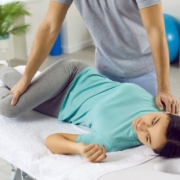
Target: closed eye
<point>154,121</point>
<point>148,137</point>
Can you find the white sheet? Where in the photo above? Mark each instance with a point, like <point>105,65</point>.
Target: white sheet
<point>22,144</point>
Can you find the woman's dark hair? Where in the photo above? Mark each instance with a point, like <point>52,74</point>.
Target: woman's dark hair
<point>172,147</point>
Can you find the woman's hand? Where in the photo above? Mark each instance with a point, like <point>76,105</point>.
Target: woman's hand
<point>93,152</point>
<point>19,89</point>
<point>171,103</point>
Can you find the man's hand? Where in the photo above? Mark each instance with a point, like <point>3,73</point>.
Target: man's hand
<point>171,103</point>
<point>18,89</point>
<point>93,152</point>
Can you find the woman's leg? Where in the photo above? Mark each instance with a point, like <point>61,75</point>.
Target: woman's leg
<point>4,91</point>
<point>45,93</point>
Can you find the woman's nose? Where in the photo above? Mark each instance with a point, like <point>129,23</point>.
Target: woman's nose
<point>143,126</point>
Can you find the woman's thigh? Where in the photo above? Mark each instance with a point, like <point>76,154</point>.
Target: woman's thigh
<point>42,93</point>
<point>52,106</point>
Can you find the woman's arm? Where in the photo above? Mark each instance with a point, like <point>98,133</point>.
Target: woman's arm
<point>61,143</point>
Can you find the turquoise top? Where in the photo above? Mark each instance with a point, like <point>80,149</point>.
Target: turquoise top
<point>107,107</point>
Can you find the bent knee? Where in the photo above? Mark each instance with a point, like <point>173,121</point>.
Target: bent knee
<point>7,113</point>
<point>6,109</point>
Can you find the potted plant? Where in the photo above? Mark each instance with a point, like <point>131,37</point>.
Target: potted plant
<point>9,14</point>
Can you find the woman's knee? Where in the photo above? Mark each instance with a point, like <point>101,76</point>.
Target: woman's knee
<point>6,109</point>
<point>11,75</point>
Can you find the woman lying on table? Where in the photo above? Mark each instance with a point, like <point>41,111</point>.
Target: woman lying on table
<point>119,115</point>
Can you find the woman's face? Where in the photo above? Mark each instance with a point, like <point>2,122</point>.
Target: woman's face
<point>151,129</point>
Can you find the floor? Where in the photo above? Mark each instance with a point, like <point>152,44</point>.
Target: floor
<point>86,55</point>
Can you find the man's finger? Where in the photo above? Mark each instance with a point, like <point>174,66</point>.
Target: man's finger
<point>173,108</point>
<point>159,103</point>
<point>177,107</point>
<point>14,100</point>
<point>168,106</point>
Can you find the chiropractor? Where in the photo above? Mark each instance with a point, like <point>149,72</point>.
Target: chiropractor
<point>130,40</point>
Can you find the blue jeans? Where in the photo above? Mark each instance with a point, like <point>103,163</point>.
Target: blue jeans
<point>147,81</point>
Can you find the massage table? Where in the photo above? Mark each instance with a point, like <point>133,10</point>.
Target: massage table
<point>22,145</point>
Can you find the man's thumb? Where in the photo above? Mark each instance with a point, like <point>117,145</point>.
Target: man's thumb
<point>159,104</point>
<point>14,100</point>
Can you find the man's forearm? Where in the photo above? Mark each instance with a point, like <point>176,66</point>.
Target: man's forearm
<point>43,42</point>
<point>160,52</point>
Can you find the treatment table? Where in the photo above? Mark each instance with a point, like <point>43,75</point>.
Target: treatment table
<point>22,145</point>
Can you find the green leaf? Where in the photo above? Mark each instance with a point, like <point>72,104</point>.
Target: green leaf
<point>20,30</point>
<point>9,14</point>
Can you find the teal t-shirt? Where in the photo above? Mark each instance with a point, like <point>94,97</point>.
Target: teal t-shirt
<point>107,107</point>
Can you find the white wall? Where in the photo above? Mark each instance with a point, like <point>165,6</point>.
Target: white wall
<point>19,42</point>
<point>172,7</point>
<point>10,54</point>
<point>75,33</point>
<point>38,9</point>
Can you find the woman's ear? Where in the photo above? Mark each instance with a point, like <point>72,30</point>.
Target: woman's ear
<point>168,113</point>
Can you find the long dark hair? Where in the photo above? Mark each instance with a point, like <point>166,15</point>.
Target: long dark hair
<point>172,147</point>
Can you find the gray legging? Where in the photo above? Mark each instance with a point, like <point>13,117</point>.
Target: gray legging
<point>45,94</point>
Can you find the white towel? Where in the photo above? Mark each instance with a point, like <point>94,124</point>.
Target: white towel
<point>22,144</point>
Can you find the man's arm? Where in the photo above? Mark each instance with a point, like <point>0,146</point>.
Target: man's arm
<point>42,44</point>
<point>153,21</point>
<point>61,143</point>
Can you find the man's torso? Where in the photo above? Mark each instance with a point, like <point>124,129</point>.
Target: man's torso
<point>122,46</point>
